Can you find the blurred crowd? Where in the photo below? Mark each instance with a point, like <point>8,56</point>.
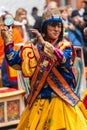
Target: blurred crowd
<point>74,22</point>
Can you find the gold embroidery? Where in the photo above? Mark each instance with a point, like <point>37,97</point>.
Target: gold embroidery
<point>29,62</point>
<point>9,56</point>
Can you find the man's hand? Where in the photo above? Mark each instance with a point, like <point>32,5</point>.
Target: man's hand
<point>39,36</point>
<point>48,48</point>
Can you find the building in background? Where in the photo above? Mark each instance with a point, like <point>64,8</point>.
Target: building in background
<point>75,3</point>
<point>11,6</point>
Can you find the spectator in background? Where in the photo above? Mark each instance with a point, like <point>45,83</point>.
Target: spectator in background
<point>69,12</point>
<point>8,74</point>
<point>21,22</point>
<point>50,6</point>
<point>85,45</point>
<point>75,34</point>
<point>34,13</point>
<point>3,12</point>
<point>85,35</point>
<point>85,15</point>
<point>83,6</point>
<point>37,24</point>
<point>66,17</point>
<point>38,19</point>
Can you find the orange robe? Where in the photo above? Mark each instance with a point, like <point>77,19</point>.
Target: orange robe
<point>17,38</point>
<point>9,75</point>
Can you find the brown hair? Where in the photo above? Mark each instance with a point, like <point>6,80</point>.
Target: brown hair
<point>19,11</point>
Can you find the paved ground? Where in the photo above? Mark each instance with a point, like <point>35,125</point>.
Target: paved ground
<point>9,128</point>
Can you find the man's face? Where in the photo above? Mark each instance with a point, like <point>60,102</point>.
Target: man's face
<point>53,32</point>
<point>76,20</point>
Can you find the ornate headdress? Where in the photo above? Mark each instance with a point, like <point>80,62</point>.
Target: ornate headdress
<point>50,16</point>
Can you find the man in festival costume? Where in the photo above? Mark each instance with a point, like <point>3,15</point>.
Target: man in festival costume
<point>52,102</point>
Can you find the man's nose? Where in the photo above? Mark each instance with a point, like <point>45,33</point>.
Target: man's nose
<point>56,28</point>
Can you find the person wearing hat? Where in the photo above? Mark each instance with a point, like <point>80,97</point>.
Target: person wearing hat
<point>52,102</point>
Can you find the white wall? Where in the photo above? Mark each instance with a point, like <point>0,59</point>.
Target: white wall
<point>12,5</point>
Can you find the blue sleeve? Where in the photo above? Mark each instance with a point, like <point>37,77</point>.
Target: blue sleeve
<point>13,58</point>
<point>74,38</point>
<point>67,62</point>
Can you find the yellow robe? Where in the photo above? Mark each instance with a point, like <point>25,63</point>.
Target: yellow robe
<point>52,115</point>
